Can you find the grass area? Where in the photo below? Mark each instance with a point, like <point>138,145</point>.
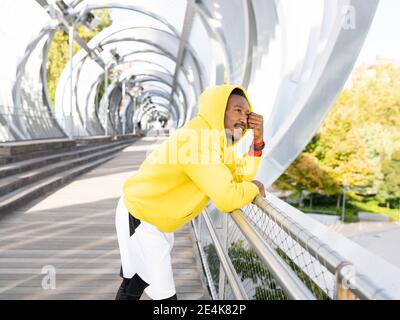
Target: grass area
<point>350,213</point>
<point>373,207</point>
<point>352,208</point>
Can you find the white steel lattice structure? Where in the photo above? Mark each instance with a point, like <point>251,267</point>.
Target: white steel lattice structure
<point>293,57</point>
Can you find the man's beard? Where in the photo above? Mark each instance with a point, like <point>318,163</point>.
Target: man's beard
<point>234,136</point>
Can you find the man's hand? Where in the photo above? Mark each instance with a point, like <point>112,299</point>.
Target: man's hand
<point>256,122</point>
<point>260,187</point>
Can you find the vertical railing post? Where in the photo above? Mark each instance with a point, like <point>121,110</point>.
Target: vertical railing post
<point>134,115</point>
<point>224,239</point>
<point>105,92</point>
<point>345,276</point>
<point>70,119</point>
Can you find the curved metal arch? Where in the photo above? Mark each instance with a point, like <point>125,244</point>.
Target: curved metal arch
<point>198,83</point>
<point>114,108</point>
<point>156,91</point>
<point>152,15</point>
<point>142,111</point>
<point>16,90</point>
<point>198,86</point>
<point>115,115</point>
<point>154,85</point>
<point>174,102</point>
<point>162,67</point>
<point>151,63</point>
<point>150,78</point>
<point>104,104</point>
<point>156,106</point>
<point>163,95</point>
<point>157,17</point>
<point>79,60</point>
<point>90,92</point>
<point>157,75</point>
<point>159,91</point>
<point>158,80</point>
<point>83,59</point>
<point>202,11</point>
<point>113,86</point>
<point>46,96</point>
<point>173,111</point>
<point>159,94</point>
<point>78,68</point>
<point>94,87</point>
<point>78,110</point>
<point>251,39</point>
<point>195,60</point>
<point>157,109</point>
<point>128,112</point>
<point>80,63</point>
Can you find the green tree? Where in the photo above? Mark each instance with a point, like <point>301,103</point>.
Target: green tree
<point>390,190</point>
<point>306,173</point>
<point>249,266</point>
<point>349,147</point>
<point>59,49</point>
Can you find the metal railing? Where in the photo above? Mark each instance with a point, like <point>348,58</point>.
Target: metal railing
<point>42,124</point>
<point>259,252</point>
<point>38,122</point>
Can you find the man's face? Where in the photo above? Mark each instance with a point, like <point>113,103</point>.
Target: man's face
<point>236,113</point>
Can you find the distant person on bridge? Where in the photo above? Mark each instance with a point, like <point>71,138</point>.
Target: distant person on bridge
<point>177,180</point>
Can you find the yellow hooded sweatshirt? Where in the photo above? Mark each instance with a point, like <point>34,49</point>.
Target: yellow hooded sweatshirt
<point>195,164</point>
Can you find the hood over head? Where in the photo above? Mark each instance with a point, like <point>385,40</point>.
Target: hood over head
<point>213,102</point>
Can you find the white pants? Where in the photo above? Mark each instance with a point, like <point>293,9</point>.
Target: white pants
<point>147,253</point>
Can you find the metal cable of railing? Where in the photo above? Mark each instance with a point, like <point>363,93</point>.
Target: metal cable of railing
<point>238,259</point>
<point>313,272</point>
<point>275,281</point>
<point>207,271</point>
<point>343,270</point>
<point>261,250</point>
<point>232,277</point>
<point>286,278</point>
<point>313,245</point>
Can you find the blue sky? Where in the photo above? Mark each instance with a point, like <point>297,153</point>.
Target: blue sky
<point>384,34</point>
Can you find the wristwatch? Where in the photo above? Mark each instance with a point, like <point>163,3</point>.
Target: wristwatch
<point>258,146</point>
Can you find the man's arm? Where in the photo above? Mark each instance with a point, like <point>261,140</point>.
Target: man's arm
<point>247,166</point>
<point>216,180</point>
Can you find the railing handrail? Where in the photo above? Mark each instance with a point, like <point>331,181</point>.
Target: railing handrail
<point>226,262</point>
<point>207,271</point>
<point>362,287</point>
<point>317,245</point>
<point>286,278</point>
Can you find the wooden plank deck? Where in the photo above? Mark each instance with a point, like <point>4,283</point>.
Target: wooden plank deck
<point>73,231</point>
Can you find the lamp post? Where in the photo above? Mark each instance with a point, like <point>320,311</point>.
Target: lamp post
<point>71,71</point>
<point>123,107</point>
<point>345,188</point>
<point>136,92</point>
<point>105,90</point>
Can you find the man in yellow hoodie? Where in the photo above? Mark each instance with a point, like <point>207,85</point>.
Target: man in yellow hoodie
<point>177,180</point>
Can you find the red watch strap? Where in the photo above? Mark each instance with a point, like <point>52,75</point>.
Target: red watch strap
<point>255,153</point>
<point>260,144</point>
